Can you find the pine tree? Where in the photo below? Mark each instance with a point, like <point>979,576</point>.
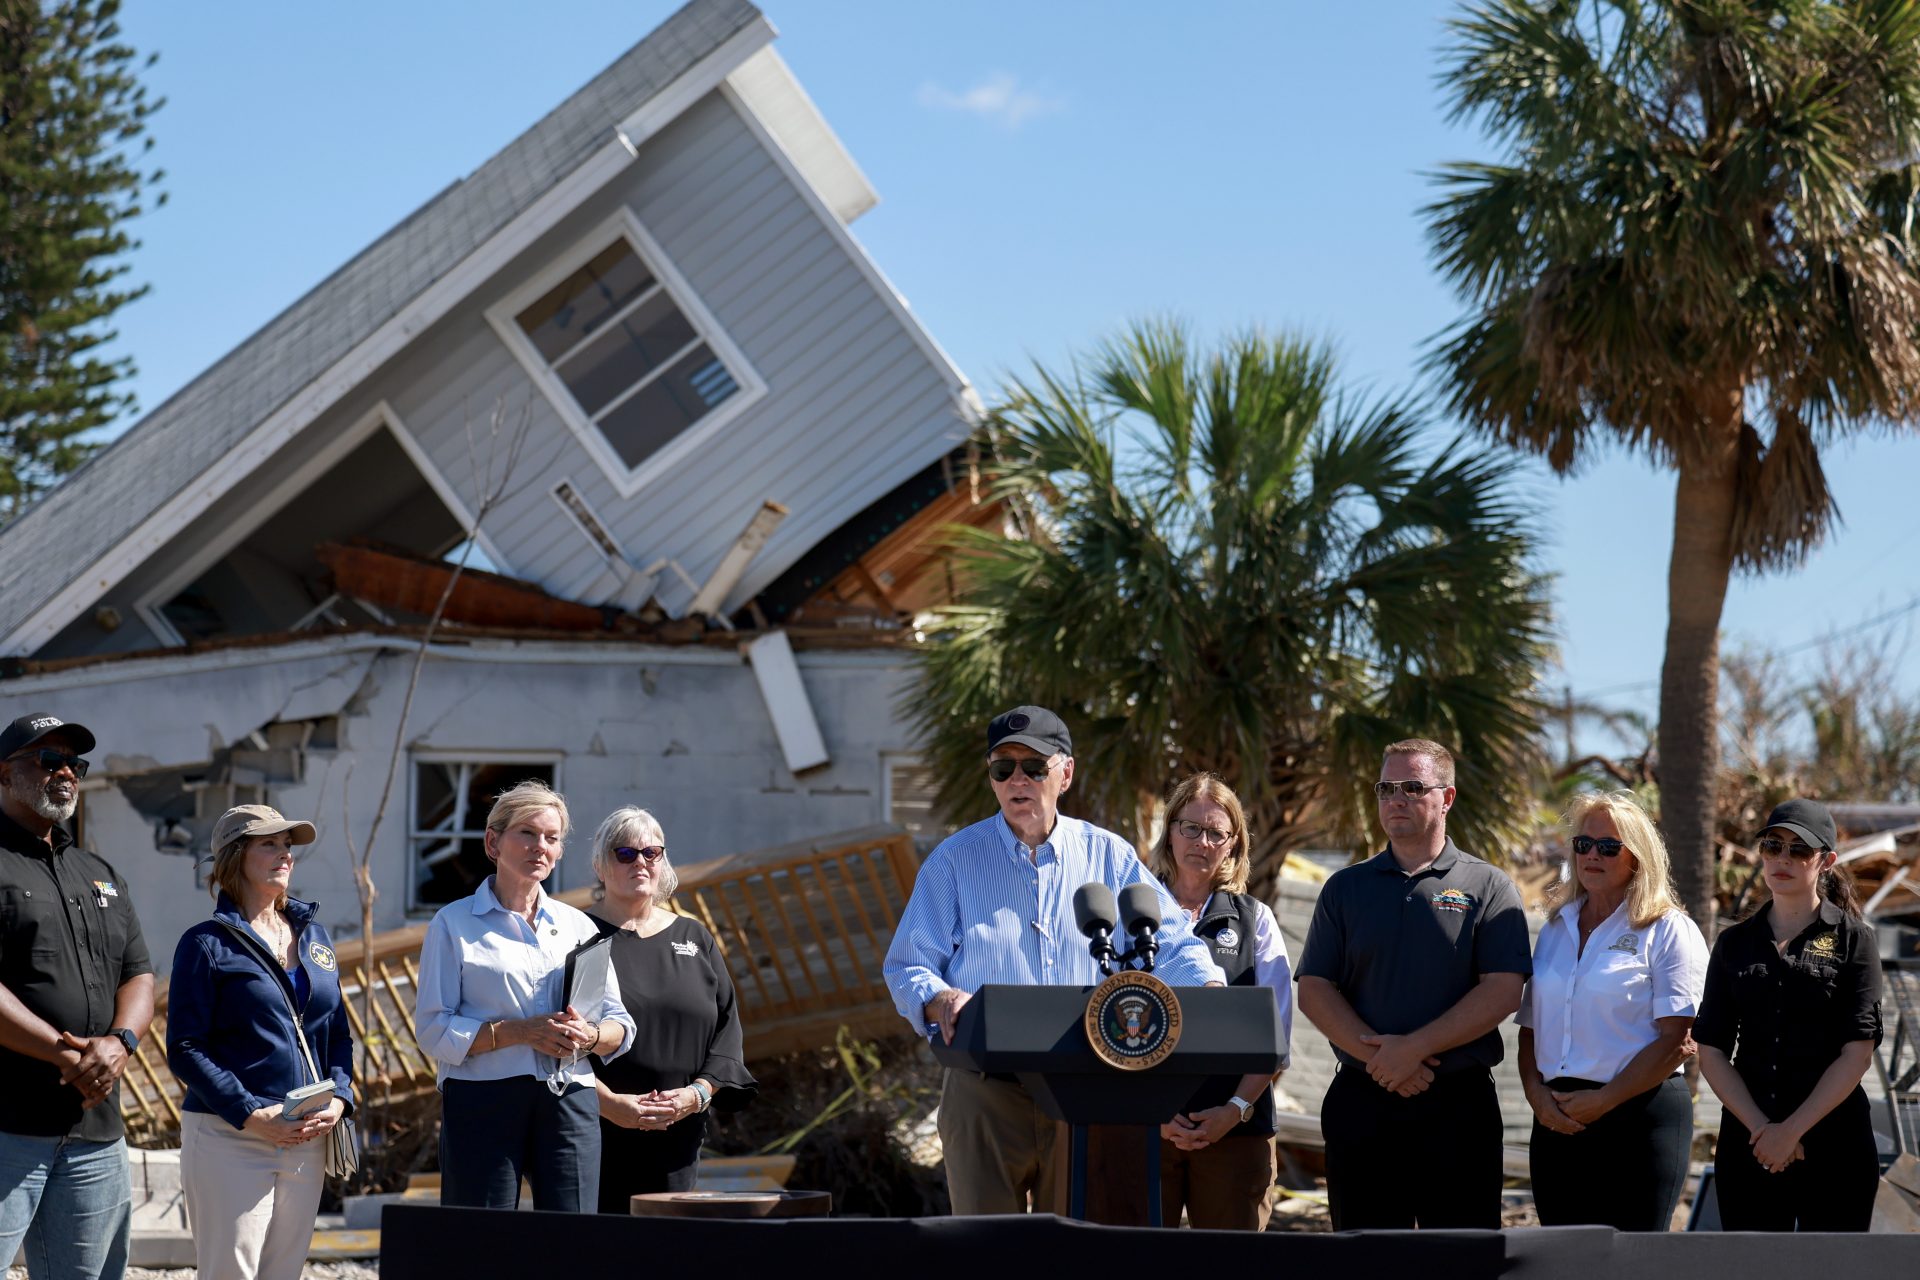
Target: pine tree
<point>72,136</point>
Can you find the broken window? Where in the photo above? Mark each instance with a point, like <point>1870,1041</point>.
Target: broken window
<point>632,359</point>
<point>451,797</point>
<point>910,801</point>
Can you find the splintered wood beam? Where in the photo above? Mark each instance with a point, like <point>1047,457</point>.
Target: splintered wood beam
<point>733,565</point>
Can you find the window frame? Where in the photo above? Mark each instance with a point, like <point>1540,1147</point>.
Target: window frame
<point>626,480</point>
<point>556,760</point>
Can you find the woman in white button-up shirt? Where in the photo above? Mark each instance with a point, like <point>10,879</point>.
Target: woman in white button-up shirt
<point>1605,1024</point>
<point>516,1092</point>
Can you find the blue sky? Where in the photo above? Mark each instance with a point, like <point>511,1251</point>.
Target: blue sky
<point>1046,172</point>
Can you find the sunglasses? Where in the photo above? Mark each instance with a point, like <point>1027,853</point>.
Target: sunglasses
<point>1605,846</point>
<point>1201,835</point>
<point>1411,787</point>
<point>52,760</point>
<point>1032,766</point>
<point>652,853</point>
<point>1775,847</point>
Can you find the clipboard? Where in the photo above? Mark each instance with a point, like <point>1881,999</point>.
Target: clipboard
<point>588,968</point>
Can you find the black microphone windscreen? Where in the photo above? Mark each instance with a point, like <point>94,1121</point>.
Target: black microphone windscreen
<point>1093,908</point>
<point>1140,907</point>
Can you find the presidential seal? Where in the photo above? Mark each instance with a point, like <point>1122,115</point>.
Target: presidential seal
<point>1133,1020</point>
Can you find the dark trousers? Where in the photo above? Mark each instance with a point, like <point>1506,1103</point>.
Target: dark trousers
<point>494,1132</point>
<point>1432,1160</point>
<point>643,1161</point>
<point>1831,1190</point>
<point>1624,1170</point>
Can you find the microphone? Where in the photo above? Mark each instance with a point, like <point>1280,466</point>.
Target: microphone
<point>1140,908</point>
<point>1095,912</point>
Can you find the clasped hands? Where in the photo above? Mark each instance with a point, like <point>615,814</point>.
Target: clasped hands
<point>558,1035</point>
<point>91,1065</point>
<point>657,1109</point>
<point>1199,1129</point>
<point>1399,1064</point>
<point>267,1125</point>
<point>1775,1146</point>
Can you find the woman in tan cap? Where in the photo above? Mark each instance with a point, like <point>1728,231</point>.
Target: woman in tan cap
<point>254,1016</point>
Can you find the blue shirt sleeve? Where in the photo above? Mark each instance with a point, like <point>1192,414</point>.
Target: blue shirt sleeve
<point>443,1032</point>
<point>190,1001</point>
<point>925,941</point>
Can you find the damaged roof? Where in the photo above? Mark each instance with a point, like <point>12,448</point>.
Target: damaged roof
<point>63,537</point>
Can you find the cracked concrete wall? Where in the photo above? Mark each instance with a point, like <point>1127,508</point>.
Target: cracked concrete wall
<point>682,732</point>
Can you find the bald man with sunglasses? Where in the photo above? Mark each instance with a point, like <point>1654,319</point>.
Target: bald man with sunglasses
<point>1413,960</point>
<point>993,903</point>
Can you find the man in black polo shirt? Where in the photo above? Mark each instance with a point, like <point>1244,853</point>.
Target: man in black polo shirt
<point>1414,959</point>
<point>76,994</point>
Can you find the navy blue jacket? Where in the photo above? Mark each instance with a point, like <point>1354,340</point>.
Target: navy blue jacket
<point>230,1039</point>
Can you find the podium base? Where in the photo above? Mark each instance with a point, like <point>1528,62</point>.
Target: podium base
<point>1112,1173</point>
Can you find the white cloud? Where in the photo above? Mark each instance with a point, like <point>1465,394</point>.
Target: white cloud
<point>999,98</point>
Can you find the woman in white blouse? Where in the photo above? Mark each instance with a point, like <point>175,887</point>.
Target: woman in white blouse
<point>516,1092</point>
<point>1606,1023</point>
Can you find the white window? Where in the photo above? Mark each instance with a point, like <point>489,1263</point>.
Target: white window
<point>626,353</point>
<point>909,794</point>
<point>451,797</point>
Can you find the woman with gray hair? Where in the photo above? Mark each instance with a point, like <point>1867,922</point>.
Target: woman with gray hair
<point>686,1054</point>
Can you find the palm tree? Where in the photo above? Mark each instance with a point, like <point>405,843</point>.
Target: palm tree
<point>1227,565</point>
<point>1700,245</point>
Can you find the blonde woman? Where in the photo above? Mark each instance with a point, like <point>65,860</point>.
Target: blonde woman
<point>1605,1025</point>
<point>1216,1158</point>
<point>516,1090</point>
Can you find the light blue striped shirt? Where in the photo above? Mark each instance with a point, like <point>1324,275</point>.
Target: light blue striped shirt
<point>983,912</point>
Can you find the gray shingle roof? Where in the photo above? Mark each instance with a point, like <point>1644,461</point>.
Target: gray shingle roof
<point>61,536</point>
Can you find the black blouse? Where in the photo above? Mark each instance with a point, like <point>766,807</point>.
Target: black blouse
<point>676,986</point>
<point>1784,1018</point>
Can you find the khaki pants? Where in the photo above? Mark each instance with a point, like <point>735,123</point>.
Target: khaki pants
<point>1223,1186</point>
<point>250,1204</point>
<point>999,1146</point>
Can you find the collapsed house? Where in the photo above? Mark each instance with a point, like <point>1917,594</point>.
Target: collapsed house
<point>637,373</point>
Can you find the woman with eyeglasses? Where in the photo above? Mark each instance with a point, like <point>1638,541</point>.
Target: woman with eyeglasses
<point>1786,1031</point>
<point>1604,1024</point>
<point>1216,1157</point>
<point>516,1090</point>
<point>686,1056</point>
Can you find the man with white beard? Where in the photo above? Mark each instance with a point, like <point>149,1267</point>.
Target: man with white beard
<point>76,995</point>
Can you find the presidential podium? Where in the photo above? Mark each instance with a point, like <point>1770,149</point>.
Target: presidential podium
<point>1040,1035</point>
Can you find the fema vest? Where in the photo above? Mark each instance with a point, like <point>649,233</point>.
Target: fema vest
<point>1227,923</point>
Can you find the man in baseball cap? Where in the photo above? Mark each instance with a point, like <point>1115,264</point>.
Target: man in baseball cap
<point>75,964</point>
<point>994,904</point>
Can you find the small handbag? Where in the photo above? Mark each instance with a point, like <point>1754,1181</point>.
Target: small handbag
<point>343,1155</point>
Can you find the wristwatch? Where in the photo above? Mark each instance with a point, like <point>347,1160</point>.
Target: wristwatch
<point>125,1037</point>
<point>1246,1108</point>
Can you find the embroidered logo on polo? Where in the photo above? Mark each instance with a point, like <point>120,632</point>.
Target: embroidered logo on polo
<point>1627,942</point>
<point>686,948</point>
<point>1227,938</point>
<point>1826,946</point>
<point>1133,1020</point>
<point>321,954</point>
<point>1452,900</point>
<point>105,889</point>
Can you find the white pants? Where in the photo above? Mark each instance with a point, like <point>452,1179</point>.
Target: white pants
<point>250,1204</point>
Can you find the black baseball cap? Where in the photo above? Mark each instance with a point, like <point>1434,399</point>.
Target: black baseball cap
<point>35,725</point>
<point>1807,819</point>
<point>1034,727</point>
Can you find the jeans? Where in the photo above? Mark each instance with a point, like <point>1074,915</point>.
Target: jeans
<point>71,1201</point>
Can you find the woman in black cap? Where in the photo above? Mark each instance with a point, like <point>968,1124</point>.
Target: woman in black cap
<point>1786,1030</point>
